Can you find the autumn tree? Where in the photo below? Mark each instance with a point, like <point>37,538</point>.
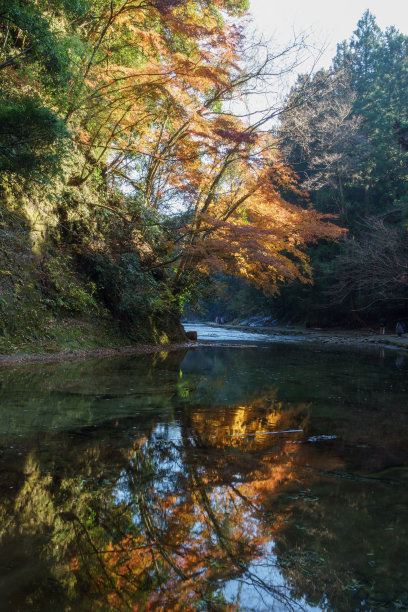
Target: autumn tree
<point>175,144</point>
<point>161,176</point>
<point>347,141</point>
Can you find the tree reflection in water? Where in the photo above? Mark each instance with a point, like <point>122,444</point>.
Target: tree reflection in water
<point>187,513</point>
<point>183,502</point>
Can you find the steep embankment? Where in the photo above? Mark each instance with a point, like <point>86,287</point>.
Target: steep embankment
<point>64,284</point>
<point>79,267</point>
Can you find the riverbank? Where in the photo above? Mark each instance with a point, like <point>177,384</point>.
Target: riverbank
<point>74,338</point>
<point>322,336</point>
<point>137,349</point>
<point>50,353</point>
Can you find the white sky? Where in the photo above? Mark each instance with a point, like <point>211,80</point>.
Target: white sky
<point>328,22</point>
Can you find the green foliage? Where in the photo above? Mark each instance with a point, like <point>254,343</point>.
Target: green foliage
<point>358,170</point>
<point>35,73</point>
<point>237,8</point>
<point>42,45</point>
<point>65,290</point>
<point>377,65</point>
<point>21,313</point>
<point>31,138</point>
<point>229,297</point>
<point>127,288</point>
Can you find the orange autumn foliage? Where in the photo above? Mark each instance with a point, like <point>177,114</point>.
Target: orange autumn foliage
<point>156,111</point>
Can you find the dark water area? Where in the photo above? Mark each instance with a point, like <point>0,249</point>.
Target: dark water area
<point>272,477</point>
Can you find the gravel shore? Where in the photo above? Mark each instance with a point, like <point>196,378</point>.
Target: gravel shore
<point>325,336</point>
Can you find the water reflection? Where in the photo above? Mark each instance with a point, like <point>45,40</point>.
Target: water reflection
<point>214,481</point>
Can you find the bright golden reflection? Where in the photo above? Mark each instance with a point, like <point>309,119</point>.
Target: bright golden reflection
<point>200,505</point>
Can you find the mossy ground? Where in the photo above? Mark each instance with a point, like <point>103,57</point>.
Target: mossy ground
<point>65,334</point>
<point>49,304</point>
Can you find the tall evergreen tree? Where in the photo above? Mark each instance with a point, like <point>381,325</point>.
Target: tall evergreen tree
<point>347,137</point>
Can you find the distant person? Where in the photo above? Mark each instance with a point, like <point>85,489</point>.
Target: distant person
<point>383,323</point>
<point>399,328</point>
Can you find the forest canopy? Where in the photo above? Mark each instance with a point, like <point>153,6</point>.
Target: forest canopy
<point>128,171</point>
<point>347,142</point>
<point>344,132</point>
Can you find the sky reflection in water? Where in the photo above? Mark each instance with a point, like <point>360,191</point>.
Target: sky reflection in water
<point>218,479</point>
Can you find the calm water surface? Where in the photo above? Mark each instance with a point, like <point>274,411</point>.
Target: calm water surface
<point>266,477</point>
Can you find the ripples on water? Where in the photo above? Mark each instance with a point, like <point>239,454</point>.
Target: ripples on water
<point>262,478</point>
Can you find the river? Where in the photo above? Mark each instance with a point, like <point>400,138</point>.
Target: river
<point>268,474</point>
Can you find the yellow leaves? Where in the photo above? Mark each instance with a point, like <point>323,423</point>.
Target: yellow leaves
<point>245,227</point>
<point>264,246</point>
<point>190,23</point>
<point>128,18</point>
<point>148,40</point>
<point>200,75</point>
<point>155,100</point>
<point>74,565</point>
<point>84,137</point>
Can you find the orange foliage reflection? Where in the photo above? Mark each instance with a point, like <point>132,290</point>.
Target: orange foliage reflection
<point>200,521</point>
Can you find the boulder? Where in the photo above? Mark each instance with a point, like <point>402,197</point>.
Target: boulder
<point>192,335</point>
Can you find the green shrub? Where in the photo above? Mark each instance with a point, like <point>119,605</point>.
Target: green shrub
<point>65,289</point>
<point>127,288</point>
